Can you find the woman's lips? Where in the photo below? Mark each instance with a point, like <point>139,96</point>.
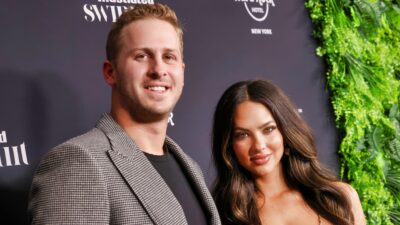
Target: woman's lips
<point>260,159</point>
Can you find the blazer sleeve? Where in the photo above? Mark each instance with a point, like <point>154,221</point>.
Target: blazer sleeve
<point>69,188</point>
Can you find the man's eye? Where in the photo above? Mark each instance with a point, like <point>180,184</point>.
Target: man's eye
<point>170,57</point>
<point>141,56</point>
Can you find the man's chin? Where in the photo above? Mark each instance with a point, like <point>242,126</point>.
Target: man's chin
<point>150,115</point>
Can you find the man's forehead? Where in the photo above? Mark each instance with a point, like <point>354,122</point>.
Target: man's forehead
<point>150,34</point>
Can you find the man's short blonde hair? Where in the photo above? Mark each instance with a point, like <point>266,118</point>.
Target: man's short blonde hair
<point>139,12</point>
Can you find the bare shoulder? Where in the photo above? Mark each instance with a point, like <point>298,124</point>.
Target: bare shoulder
<point>348,189</point>
<point>352,195</point>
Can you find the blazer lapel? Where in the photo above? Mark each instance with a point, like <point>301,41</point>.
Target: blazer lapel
<point>195,177</point>
<point>143,179</point>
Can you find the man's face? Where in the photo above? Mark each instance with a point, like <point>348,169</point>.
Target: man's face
<point>149,69</point>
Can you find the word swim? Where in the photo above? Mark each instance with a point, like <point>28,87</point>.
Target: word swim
<point>14,155</point>
<point>107,13</point>
<point>14,159</point>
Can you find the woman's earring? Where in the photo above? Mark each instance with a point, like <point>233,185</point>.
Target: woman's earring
<point>286,151</point>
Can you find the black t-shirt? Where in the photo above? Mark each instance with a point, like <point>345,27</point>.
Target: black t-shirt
<point>170,170</point>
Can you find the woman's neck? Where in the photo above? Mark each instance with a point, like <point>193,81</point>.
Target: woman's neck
<point>272,184</point>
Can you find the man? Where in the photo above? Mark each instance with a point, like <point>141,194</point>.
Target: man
<point>126,170</point>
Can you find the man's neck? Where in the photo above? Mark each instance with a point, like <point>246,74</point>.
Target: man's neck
<point>149,137</point>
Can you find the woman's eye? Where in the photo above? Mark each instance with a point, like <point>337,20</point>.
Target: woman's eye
<point>269,129</point>
<point>240,135</point>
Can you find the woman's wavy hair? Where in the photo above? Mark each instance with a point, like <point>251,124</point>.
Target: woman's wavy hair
<point>234,188</point>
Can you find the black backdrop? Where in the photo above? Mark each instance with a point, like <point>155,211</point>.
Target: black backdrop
<point>51,86</point>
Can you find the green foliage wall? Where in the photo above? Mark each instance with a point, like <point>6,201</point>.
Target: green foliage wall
<point>360,41</point>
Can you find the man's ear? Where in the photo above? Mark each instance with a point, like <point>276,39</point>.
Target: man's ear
<point>109,73</point>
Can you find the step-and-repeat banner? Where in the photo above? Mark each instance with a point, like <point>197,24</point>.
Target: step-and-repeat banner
<point>51,85</point>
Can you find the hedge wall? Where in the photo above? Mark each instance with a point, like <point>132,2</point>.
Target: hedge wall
<point>360,41</point>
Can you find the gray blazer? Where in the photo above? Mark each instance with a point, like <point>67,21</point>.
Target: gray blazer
<point>102,177</point>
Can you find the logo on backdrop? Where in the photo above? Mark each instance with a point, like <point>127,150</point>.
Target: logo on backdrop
<point>258,10</point>
<point>109,10</point>
<point>11,155</point>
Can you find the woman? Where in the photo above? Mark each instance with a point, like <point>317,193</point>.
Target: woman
<point>267,166</point>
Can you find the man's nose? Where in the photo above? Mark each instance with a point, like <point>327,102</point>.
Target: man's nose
<point>157,68</point>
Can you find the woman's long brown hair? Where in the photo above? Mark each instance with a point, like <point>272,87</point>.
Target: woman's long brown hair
<point>234,189</point>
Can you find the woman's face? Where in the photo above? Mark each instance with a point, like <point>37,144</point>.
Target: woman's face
<point>257,142</point>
